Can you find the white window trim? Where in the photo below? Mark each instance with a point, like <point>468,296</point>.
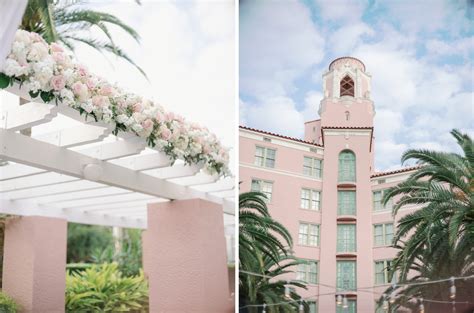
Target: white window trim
<point>385,272</point>
<point>265,150</point>
<point>311,199</point>
<point>307,272</point>
<point>385,208</point>
<point>384,234</point>
<point>318,238</point>
<point>264,181</point>
<point>313,167</point>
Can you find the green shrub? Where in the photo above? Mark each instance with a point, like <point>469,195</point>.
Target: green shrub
<point>7,305</point>
<point>103,288</point>
<point>83,240</point>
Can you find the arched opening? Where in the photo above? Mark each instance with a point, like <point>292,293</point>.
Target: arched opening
<point>347,86</point>
<point>347,166</point>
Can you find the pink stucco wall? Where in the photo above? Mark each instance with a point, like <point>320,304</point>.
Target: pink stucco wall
<point>184,256</point>
<point>34,265</point>
<point>339,133</point>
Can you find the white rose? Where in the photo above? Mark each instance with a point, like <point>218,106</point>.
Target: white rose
<point>137,128</point>
<point>13,68</point>
<point>122,118</point>
<point>22,36</point>
<point>87,106</point>
<point>38,51</point>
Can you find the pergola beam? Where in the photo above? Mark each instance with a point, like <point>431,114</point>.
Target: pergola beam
<point>22,149</point>
<point>27,115</point>
<point>76,136</point>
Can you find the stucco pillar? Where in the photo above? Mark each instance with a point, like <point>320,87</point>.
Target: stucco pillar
<point>184,258</point>
<point>34,264</point>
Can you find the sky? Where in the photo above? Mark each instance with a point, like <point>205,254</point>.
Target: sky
<point>419,54</point>
<point>187,50</point>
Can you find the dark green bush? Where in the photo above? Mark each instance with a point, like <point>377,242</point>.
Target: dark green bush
<point>7,305</point>
<point>83,240</point>
<point>103,288</point>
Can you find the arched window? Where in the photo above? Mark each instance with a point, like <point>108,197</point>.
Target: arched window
<point>347,166</point>
<point>347,86</point>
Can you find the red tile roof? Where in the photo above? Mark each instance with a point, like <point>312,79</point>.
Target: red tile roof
<point>281,136</point>
<point>346,127</point>
<point>401,170</point>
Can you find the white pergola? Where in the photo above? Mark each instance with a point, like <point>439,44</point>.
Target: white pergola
<point>76,169</point>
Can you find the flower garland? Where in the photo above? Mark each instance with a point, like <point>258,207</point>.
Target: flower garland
<point>47,71</point>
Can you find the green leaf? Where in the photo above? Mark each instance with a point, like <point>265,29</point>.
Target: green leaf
<point>4,81</point>
<point>34,94</point>
<point>47,96</point>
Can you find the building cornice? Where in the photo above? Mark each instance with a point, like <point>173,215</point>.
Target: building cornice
<point>280,136</point>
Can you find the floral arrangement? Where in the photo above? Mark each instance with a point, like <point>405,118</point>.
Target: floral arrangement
<point>48,71</point>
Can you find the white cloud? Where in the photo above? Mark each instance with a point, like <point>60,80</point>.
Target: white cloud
<point>278,42</point>
<point>341,10</point>
<point>344,40</point>
<point>278,114</point>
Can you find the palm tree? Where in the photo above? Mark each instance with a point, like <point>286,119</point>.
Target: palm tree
<point>258,230</point>
<point>265,250</point>
<point>69,22</point>
<point>268,288</point>
<point>436,241</point>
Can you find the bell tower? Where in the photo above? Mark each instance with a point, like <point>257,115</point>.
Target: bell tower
<point>346,131</point>
<point>346,90</point>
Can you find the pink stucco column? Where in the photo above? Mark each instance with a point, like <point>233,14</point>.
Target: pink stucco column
<point>34,264</point>
<point>184,257</point>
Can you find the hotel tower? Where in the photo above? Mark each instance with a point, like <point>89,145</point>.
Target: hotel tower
<point>325,190</point>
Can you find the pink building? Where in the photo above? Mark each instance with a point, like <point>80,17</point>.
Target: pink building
<point>325,190</point>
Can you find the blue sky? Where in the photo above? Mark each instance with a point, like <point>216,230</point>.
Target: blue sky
<point>419,54</point>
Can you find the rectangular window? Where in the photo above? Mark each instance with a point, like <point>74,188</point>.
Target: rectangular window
<point>382,268</point>
<point>265,157</point>
<point>377,201</point>
<point>313,307</point>
<point>310,199</point>
<point>346,238</point>
<point>312,167</point>
<point>263,186</point>
<point>346,275</point>
<point>308,234</point>
<point>346,203</point>
<point>383,234</point>
<point>308,272</point>
<point>352,307</point>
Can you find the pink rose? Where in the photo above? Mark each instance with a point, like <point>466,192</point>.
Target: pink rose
<point>159,117</point>
<point>106,90</point>
<point>56,48</point>
<point>58,57</point>
<point>90,83</point>
<point>81,70</point>
<point>58,82</point>
<point>137,107</point>
<point>169,116</point>
<point>80,90</point>
<point>100,101</point>
<point>166,134</point>
<point>147,124</point>
<point>206,149</point>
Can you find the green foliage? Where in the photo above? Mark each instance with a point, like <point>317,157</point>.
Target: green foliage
<point>7,305</point>
<point>84,240</point>
<point>70,22</point>
<point>103,288</point>
<point>129,258</point>
<point>264,249</point>
<point>435,241</point>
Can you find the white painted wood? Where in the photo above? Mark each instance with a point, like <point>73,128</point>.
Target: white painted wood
<point>27,115</point>
<point>112,204</point>
<point>12,171</point>
<point>199,179</point>
<point>177,170</point>
<point>116,149</point>
<point>144,162</point>
<point>44,179</point>
<point>26,150</point>
<point>76,136</point>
